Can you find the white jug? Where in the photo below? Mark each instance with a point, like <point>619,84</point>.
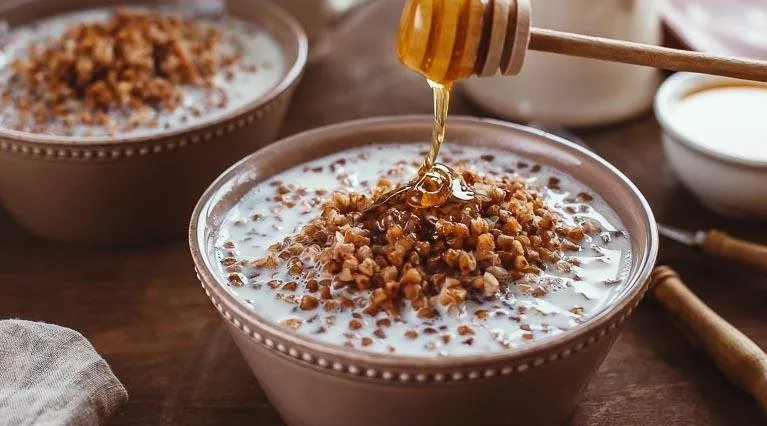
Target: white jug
<point>575,91</point>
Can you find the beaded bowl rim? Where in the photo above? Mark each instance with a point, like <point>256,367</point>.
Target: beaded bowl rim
<point>423,374</point>
<point>159,145</point>
<point>356,362</point>
<point>290,77</point>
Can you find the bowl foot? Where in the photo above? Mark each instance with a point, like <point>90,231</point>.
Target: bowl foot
<point>732,212</point>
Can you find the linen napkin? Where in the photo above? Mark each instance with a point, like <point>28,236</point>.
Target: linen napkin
<point>52,376</point>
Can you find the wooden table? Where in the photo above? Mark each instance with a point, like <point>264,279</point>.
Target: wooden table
<point>146,314</point>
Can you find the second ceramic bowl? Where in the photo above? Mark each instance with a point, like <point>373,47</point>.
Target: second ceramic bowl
<point>312,383</point>
<point>727,184</point>
<point>139,189</point>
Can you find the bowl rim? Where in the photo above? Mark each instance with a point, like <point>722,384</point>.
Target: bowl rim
<point>292,74</point>
<point>682,84</point>
<point>317,352</point>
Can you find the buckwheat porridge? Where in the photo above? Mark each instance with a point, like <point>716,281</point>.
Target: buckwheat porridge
<point>535,255</point>
<point>132,72</point>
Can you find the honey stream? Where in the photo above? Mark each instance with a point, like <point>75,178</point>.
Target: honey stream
<point>431,36</point>
<point>436,183</point>
<point>441,107</point>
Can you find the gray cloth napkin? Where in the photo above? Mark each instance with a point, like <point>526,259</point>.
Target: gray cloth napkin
<point>52,376</point>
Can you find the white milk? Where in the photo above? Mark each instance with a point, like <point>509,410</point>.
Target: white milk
<point>514,319</point>
<point>260,50</point>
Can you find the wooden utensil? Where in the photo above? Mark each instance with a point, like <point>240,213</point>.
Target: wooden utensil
<point>719,244</point>
<point>447,40</point>
<point>642,54</point>
<point>737,356</point>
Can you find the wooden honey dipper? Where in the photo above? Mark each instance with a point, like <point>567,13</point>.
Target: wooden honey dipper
<point>448,40</point>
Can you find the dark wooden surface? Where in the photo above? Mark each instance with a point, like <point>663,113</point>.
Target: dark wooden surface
<point>146,314</point>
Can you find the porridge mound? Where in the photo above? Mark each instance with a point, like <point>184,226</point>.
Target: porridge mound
<point>437,256</point>
<point>121,71</point>
<point>534,255</point>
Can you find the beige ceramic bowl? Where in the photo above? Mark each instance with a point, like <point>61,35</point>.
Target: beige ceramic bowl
<point>312,383</point>
<point>137,189</point>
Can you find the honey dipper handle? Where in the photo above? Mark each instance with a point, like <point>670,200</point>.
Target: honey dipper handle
<point>719,244</point>
<point>545,40</point>
<point>737,356</point>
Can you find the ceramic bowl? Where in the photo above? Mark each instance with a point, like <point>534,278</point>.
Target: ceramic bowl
<point>137,189</point>
<point>726,184</point>
<point>312,383</point>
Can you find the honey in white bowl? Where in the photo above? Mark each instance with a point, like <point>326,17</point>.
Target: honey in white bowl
<point>725,119</point>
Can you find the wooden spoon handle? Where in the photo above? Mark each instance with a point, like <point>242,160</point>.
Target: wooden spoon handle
<point>642,54</point>
<point>737,356</point>
<point>719,244</point>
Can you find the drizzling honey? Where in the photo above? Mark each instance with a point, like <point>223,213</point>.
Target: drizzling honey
<point>431,37</point>
<point>437,183</point>
<point>441,107</point>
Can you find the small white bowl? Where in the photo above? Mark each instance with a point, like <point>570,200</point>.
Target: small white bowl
<point>729,185</point>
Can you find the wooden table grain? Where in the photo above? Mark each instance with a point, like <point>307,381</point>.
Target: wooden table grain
<point>146,314</point>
